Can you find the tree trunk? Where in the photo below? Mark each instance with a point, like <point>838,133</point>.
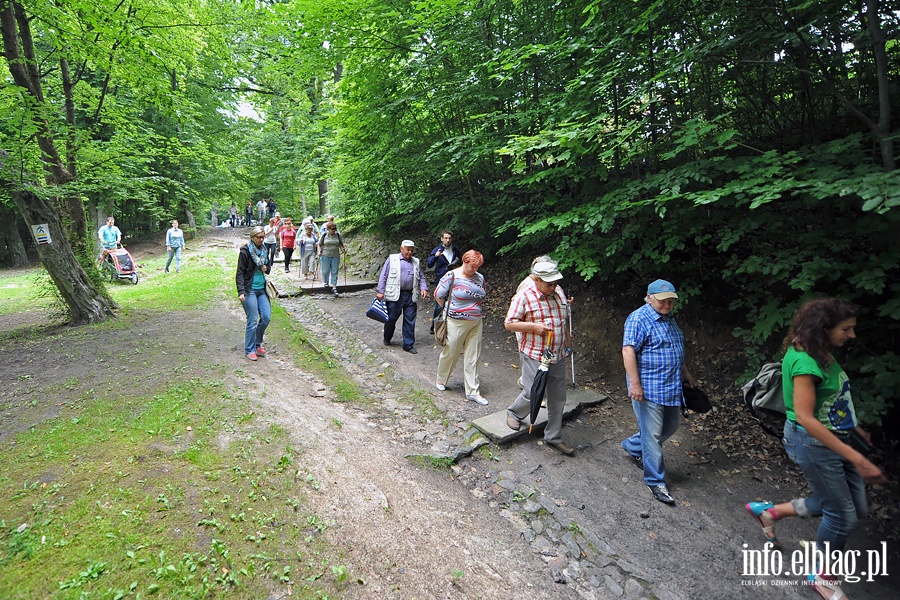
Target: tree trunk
<point>86,304</point>
<point>12,250</point>
<point>192,223</point>
<point>882,66</point>
<point>323,196</point>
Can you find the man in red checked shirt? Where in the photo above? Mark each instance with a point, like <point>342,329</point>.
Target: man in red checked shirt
<point>535,310</point>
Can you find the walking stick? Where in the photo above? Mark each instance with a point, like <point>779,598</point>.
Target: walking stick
<point>315,271</point>
<point>572,355</point>
<point>345,270</point>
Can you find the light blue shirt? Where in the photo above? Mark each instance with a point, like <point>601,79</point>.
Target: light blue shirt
<point>110,235</point>
<point>175,238</point>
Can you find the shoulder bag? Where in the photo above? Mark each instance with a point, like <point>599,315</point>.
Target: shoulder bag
<point>440,325</point>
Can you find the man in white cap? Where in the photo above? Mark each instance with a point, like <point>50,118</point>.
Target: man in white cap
<point>534,311</point>
<point>401,276</point>
<point>653,352</point>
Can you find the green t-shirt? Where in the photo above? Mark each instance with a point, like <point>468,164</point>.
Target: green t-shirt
<point>834,405</point>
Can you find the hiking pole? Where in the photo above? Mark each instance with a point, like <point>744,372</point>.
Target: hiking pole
<point>345,270</point>
<point>315,271</point>
<point>572,355</point>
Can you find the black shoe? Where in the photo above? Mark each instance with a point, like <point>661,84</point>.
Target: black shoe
<point>386,342</point>
<point>637,460</point>
<point>662,494</point>
<point>411,350</point>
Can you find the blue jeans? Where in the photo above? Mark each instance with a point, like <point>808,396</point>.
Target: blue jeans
<point>839,493</point>
<point>330,266</point>
<point>259,312</point>
<point>270,253</point>
<point>656,424</point>
<point>176,253</point>
<point>405,305</point>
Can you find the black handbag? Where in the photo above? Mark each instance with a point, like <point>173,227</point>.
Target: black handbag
<point>694,399</point>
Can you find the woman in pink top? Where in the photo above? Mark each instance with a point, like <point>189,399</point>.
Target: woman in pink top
<point>288,235</point>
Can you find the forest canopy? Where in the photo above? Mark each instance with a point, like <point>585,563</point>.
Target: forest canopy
<point>745,149</point>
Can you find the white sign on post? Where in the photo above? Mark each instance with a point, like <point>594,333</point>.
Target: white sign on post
<point>41,233</point>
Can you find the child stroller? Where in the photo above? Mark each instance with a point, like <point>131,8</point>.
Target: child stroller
<point>116,263</point>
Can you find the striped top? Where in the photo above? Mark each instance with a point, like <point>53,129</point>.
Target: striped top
<point>467,297</point>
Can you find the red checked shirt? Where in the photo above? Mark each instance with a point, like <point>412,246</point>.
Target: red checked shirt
<point>531,306</point>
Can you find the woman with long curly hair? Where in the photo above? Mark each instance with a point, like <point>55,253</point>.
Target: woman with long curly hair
<point>820,421</point>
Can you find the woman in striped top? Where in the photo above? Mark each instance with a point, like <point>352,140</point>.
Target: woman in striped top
<point>464,288</point>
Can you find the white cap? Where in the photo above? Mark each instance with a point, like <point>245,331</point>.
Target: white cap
<point>408,244</point>
<point>547,271</point>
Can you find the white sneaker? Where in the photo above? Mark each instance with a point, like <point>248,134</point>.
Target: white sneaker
<point>440,386</point>
<point>478,398</point>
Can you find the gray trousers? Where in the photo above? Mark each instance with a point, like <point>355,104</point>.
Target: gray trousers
<point>555,395</point>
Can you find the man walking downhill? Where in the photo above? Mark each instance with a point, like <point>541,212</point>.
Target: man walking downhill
<point>442,259</point>
<point>534,311</point>
<point>261,212</point>
<point>400,276</point>
<point>653,352</point>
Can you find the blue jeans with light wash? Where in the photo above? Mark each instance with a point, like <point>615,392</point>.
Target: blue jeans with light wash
<point>656,424</point>
<point>259,312</point>
<point>839,493</point>
<point>174,252</point>
<point>330,265</point>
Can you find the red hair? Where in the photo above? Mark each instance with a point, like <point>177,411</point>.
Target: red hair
<point>474,258</point>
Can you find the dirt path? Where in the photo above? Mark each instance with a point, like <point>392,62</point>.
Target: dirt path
<point>607,536</point>
<point>507,522</point>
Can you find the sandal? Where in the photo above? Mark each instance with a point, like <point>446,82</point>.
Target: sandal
<point>760,513</point>
<point>829,589</point>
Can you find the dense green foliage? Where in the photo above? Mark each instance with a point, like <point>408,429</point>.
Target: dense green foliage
<point>744,150</point>
<point>740,149</point>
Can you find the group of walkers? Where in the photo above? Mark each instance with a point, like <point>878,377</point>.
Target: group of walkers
<point>257,257</point>
<point>820,414</point>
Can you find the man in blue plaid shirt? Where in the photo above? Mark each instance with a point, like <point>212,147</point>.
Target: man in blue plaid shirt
<point>653,352</point>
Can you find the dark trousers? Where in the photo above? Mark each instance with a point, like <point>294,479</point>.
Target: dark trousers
<point>405,304</point>
<point>288,252</point>
<point>270,252</point>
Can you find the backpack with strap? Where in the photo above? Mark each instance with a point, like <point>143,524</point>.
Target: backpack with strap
<point>764,395</point>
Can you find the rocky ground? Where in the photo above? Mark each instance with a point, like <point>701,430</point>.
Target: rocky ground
<point>521,519</point>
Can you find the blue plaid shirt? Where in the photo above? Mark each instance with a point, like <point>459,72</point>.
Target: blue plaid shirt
<point>659,346</point>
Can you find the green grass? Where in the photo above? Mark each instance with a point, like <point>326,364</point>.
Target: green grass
<point>135,497</point>
<point>124,495</point>
<point>17,292</point>
<point>201,281</point>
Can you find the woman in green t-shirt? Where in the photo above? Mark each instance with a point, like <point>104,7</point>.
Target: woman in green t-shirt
<point>820,420</point>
